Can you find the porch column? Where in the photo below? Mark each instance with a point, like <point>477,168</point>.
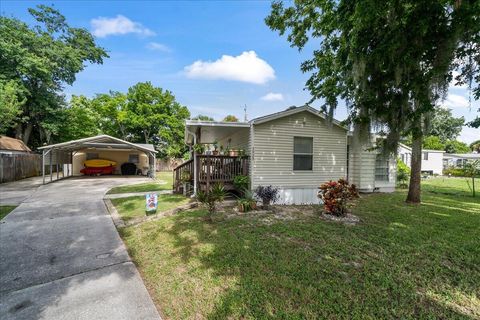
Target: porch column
<point>43,165</point>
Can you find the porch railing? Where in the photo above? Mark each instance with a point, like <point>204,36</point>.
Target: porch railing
<point>212,169</point>
<point>183,171</point>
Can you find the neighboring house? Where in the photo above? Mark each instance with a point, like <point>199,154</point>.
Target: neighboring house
<point>71,155</point>
<point>13,146</point>
<point>432,160</point>
<point>459,160</point>
<point>295,150</point>
<point>17,161</point>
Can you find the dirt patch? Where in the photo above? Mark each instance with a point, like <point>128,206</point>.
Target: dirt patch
<point>346,219</point>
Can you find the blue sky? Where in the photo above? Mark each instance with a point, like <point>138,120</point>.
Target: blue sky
<point>215,56</point>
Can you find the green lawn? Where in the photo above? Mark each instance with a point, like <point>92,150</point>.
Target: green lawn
<point>134,207</point>
<point>156,185</point>
<point>4,210</point>
<point>401,262</point>
<point>451,186</point>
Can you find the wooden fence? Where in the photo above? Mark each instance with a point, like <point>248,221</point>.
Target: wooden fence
<point>168,164</point>
<point>19,166</point>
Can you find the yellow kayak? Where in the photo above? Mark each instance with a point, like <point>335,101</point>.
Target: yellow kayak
<point>98,163</point>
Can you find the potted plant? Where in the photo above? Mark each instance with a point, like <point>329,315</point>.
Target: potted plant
<point>233,153</point>
<point>241,183</point>
<point>215,148</point>
<point>222,151</point>
<point>267,194</point>
<point>247,203</point>
<point>199,148</point>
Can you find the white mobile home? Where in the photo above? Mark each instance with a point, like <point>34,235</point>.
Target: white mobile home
<point>295,150</point>
<point>432,160</point>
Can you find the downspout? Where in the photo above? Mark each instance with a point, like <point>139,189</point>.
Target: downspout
<point>252,149</point>
<point>194,163</point>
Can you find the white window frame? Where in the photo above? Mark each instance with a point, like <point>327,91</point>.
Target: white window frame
<point>385,165</point>
<point>425,156</point>
<point>302,154</point>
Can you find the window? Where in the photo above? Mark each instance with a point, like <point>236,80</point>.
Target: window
<point>382,168</point>
<point>91,155</point>
<point>302,153</point>
<point>133,158</point>
<point>425,156</point>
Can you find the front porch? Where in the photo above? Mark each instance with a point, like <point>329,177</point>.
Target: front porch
<point>218,154</point>
<point>209,170</point>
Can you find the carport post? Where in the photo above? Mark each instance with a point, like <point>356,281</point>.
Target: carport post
<point>57,168</point>
<point>43,165</point>
<point>51,165</point>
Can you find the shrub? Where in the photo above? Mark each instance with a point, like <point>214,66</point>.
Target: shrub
<point>241,183</point>
<point>455,172</point>
<point>210,198</point>
<point>247,202</point>
<point>403,173</point>
<point>335,195</point>
<point>267,194</point>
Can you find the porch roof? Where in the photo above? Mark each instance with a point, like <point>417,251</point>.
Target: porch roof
<point>211,130</point>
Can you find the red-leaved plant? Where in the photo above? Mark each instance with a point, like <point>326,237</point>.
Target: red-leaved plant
<point>335,195</point>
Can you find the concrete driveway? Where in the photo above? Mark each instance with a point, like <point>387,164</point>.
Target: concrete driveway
<point>62,258</point>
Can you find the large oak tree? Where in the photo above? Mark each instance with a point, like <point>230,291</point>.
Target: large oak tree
<point>390,61</point>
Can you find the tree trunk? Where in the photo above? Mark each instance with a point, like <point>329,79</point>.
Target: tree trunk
<point>19,131</point>
<point>416,168</point>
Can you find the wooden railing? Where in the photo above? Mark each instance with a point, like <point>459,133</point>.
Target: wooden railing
<point>182,171</point>
<point>212,169</point>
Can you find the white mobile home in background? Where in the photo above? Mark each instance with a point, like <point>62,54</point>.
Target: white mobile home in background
<point>432,160</point>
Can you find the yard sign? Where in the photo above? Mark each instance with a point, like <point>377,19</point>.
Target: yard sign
<point>151,200</point>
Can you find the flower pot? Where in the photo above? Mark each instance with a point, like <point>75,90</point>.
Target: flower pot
<point>233,153</point>
<point>215,152</point>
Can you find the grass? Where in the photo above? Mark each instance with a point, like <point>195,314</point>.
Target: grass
<point>401,262</point>
<point>163,181</point>
<point>451,186</point>
<point>5,210</point>
<point>134,207</point>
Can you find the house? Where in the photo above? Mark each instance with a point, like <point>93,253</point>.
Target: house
<point>459,160</point>
<point>295,150</point>
<point>71,155</point>
<point>432,160</point>
<point>13,146</point>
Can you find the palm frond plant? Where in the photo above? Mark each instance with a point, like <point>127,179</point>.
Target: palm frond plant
<point>210,198</point>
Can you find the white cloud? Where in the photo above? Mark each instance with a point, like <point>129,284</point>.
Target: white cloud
<point>468,135</point>
<point>103,27</point>
<point>247,67</point>
<point>456,101</point>
<point>158,47</point>
<point>272,97</point>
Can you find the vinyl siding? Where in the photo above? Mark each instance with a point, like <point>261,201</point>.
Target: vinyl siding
<point>272,161</point>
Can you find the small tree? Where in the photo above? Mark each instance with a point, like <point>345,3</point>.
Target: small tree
<point>230,118</point>
<point>472,169</point>
<point>210,198</point>
<point>403,173</point>
<point>335,195</point>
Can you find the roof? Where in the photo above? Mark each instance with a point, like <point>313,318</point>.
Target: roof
<point>463,155</point>
<point>423,150</point>
<point>12,144</point>
<point>216,123</point>
<point>101,141</point>
<point>292,111</point>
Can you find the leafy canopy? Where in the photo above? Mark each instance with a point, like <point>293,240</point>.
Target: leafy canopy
<point>41,59</point>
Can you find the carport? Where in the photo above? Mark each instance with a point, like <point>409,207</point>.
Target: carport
<point>61,155</point>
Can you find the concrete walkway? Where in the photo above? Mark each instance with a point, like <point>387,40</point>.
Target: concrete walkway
<point>62,258</point>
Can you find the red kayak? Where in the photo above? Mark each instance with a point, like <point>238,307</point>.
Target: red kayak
<point>98,170</point>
